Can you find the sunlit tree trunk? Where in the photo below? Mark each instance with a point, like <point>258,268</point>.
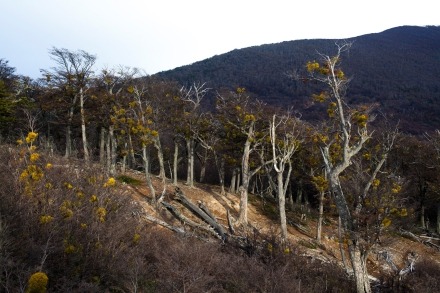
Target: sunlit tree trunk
<point>281,155</point>
<point>237,181</point>
<point>132,161</point>
<point>245,172</point>
<point>83,126</point>
<point>190,170</point>
<point>112,148</point>
<point>146,160</point>
<point>359,264</point>
<point>233,178</point>
<point>282,205</point>
<point>320,216</point>
<point>158,147</point>
<point>175,162</point>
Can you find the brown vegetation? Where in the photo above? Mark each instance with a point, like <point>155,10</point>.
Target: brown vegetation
<point>63,232</point>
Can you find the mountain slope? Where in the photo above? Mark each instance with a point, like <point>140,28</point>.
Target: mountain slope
<point>399,69</point>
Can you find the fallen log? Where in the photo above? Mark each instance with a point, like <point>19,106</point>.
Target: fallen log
<point>187,221</point>
<point>409,235</point>
<point>180,196</point>
<point>429,243</point>
<point>164,224</point>
<point>206,210</point>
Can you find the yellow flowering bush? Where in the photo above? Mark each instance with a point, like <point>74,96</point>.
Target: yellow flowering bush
<point>386,222</point>
<point>31,137</point>
<point>68,185</point>
<point>44,219</point>
<point>34,157</point>
<point>70,248</point>
<point>110,182</point>
<point>101,213</point>
<point>66,209</point>
<point>37,283</point>
<point>136,238</point>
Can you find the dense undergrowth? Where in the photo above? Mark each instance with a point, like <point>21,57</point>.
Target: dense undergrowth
<point>67,227</point>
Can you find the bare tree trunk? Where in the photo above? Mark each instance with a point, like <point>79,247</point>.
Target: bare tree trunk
<point>359,265</point>
<point>113,147</point>
<point>203,160</point>
<point>190,171</point>
<point>68,152</point>
<point>233,177</point>
<point>290,196</point>
<point>320,217</point>
<point>341,244</point>
<point>175,162</point>
<point>132,161</point>
<point>422,216</point>
<point>282,205</point>
<point>108,148</point>
<point>124,159</point>
<point>192,162</point>
<point>83,126</point>
<point>237,184</point>
<point>158,147</point>
<point>243,218</point>
<point>102,146</point>
<point>221,172</point>
<point>146,159</point>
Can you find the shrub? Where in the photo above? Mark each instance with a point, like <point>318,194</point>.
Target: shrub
<point>37,283</point>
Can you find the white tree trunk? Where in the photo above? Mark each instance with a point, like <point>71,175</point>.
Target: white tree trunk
<point>320,217</point>
<point>68,152</point>
<point>158,147</point>
<point>203,160</point>
<point>243,216</point>
<point>237,182</point>
<point>359,265</point>
<point>190,170</point>
<point>132,161</point>
<point>175,162</point>
<point>282,205</point>
<point>146,159</point>
<point>83,126</point>
<point>233,177</point>
<point>112,147</point>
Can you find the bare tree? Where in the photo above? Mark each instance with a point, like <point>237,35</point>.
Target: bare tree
<point>192,96</point>
<point>346,139</point>
<point>283,149</point>
<point>72,76</point>
<point>241,117</point>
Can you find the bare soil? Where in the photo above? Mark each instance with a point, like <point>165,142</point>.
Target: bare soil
<point>263,218</point>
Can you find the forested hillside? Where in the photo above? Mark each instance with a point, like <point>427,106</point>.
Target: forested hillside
<point>398,69</point>
<point>112,181</point>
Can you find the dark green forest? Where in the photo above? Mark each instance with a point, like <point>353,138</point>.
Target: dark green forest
<point>343,134</point>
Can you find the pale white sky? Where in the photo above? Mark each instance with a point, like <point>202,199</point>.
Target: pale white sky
<point>163,34</point>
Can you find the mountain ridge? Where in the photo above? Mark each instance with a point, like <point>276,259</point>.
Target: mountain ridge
<point>397,69</point>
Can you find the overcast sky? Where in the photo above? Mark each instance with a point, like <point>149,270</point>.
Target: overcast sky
<point>165,34</point>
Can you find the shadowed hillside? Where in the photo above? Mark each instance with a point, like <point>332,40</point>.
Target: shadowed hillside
<point>398,69</point>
